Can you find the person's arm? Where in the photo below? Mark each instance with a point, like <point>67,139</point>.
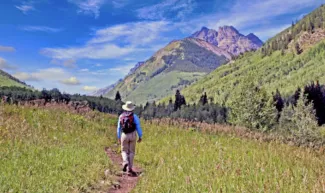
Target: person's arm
<point>118,129</point>
<point>138,126</point>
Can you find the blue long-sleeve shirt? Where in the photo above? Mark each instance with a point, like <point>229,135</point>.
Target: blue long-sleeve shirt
<point>137,126</point>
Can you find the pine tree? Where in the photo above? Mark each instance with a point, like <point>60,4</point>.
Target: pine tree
<point>253,108</point>
<point>304,118</point>
<point>118,96</point>
<point>297,48</point>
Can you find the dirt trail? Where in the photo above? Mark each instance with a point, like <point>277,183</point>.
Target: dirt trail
<point>126,182</point>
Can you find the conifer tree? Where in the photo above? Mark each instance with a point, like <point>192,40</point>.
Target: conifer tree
<point>253,107</point>
<point>118,96</point>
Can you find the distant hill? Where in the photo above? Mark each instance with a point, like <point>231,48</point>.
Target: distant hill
<point>179,64</point>
<point>105,90</point>
<point>291,59</point>
<point>8,80</point>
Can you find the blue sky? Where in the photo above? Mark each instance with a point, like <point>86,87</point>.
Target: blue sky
<point>79,46</point>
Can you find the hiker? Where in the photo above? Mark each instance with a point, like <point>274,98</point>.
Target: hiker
<point>127,127</point>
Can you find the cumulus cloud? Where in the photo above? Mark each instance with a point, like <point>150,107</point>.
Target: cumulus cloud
<point>5,65</point>
<point>179,8</point>
<point>71,81</point>
<point>41,29</point>
<point>90,88</point>
<point>7,49</point>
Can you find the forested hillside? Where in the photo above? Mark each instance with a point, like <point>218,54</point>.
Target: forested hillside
<point>292,59</point>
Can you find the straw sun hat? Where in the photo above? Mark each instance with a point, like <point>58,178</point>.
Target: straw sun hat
<point>128,106</point>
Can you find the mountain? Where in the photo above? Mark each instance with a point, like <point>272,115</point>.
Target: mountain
<point>175,66</point>
<point>229,39</point>
<point>138,65</point>
<point>105,90</point>
<point>291,59</point>
<point>181,63</point>
<point>8,80</point>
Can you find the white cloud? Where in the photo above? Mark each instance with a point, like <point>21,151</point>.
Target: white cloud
<point>135,37</point>
<point>25,7</point>
<point>25,76</point>
<point>71,81</point>
<point>105,51</point>
<point>69,63</point>
<point>90,88</point>
<point>7,49</point>
<point>136,33</point>
<point>4,65</point>
<point>51,74</point>
<point>89,7</point>
<point>41,28</point>
<point>98,65</point>
<point>180,8</point>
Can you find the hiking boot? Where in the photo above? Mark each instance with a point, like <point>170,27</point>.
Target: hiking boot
<point>125,167</point>
<point>132,173</point>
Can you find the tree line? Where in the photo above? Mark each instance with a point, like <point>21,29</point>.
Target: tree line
<point>14,95</point>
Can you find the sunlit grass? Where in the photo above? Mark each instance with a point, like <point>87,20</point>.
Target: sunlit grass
<point>187,161</point>
<point>56,151</point>
<point>53,150</point>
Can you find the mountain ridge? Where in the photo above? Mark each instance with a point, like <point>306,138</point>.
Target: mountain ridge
<point>191,57</point>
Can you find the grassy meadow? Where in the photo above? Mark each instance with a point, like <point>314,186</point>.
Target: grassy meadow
<point>43,150</point>
<point>53,151</point>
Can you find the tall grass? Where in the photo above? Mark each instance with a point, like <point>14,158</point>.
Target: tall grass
<point>188,161</point>
<point>53,150</point>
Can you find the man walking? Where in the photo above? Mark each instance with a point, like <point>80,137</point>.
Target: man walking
<point>127,127</point>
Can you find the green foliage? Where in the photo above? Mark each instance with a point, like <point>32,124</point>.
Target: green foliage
<point>284,72</point>
<point>300,120</point>
<point>309,23</point>
<point>253,108</point>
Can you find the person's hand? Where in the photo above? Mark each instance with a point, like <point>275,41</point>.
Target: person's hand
<point>119,141</point>
<point>139,140</point>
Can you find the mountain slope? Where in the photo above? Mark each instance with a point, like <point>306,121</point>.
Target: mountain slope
<point>8,80</point>
<point>229,39</point>
<point>277,65</point>
<point>178,64</point>
<point>183,62</point>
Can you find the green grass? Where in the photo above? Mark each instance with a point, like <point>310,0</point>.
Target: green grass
<point>186,161</point>
<point>53,151</point>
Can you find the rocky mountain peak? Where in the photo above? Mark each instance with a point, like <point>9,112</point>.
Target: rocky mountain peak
<point>229,39</point>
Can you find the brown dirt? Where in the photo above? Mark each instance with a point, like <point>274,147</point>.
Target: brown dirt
<point>126,183</point>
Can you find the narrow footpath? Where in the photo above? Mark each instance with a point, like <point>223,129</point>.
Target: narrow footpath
<point>126,183</point>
